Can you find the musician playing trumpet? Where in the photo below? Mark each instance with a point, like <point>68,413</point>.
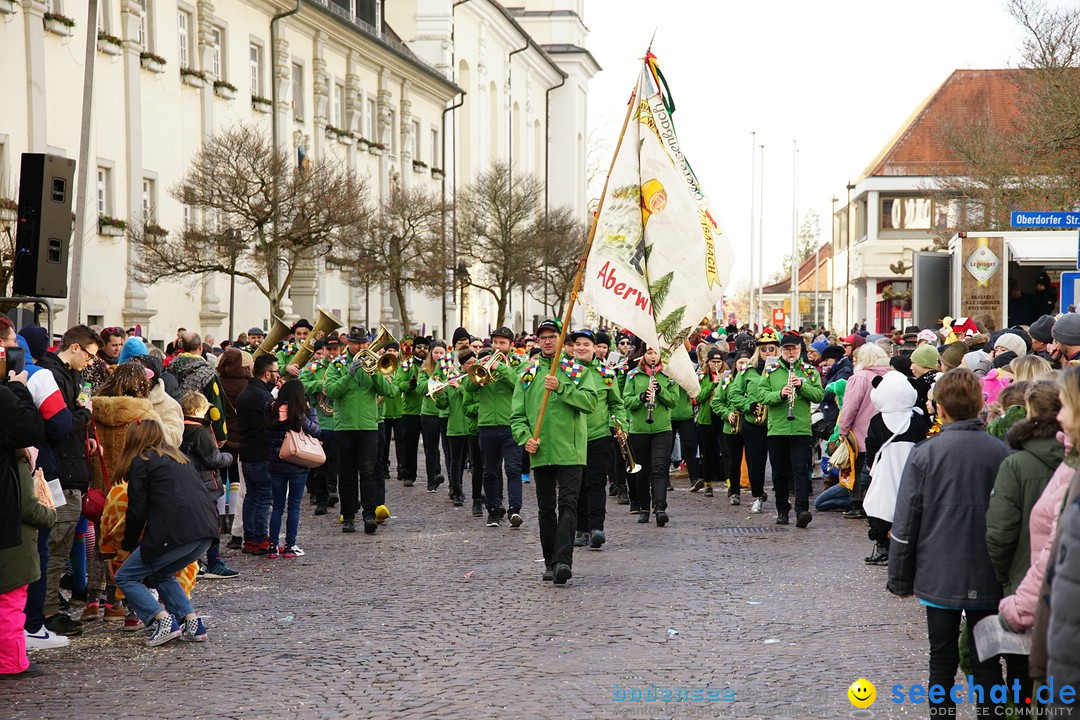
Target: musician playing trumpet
<point>709,424</point>
<point>463,410</point>
<point>650,395</point>
<point>323,484</point>
<point>788,389</point>
<point>592,502</point>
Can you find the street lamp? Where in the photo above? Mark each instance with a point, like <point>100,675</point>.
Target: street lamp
<point>235,242</point>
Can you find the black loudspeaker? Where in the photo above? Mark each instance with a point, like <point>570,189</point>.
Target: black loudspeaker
<point>43,234</point>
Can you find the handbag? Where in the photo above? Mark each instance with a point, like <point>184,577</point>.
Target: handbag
<point>301,449</point>
<point>93,500</point>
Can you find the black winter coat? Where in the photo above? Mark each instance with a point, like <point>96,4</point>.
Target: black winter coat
<point>199,446</point>
<point>66,458</point>
<point>938,549</point>
<point>170,501</point>
<point>251,417</point>
<point>276,434</point>
<point>21,427</point>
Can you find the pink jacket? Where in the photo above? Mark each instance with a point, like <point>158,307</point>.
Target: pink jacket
<point>1019,608</point>
<point>993,383</point>
<point>857,410</point>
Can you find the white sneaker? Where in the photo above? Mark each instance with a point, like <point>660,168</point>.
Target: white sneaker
<point>43,639</point>
<point>756,507</point>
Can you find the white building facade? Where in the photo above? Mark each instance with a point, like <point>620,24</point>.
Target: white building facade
<point>339,65</point>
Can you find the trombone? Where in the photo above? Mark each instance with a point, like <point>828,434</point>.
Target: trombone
<point>483,372</point>
<point>369,357</point>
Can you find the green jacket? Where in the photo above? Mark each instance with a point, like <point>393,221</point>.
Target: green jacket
<point>684,406</point>
<point>20,565</point>
<point>496,399</point>
<point>564,435</point>
<point>1021,479</point>
<point>773,381</point>
<point>743,389</point>
<point>704,400</point>
<point>409,388</point>
<point>637,382</point>
<point>427,405</point>
<point>722,403</point>
<point>463,410</point>
<point>311,377</point>
<point>285,354</point>
<point>609,402</point>
<point>354,397</point>
<point>393,407</point>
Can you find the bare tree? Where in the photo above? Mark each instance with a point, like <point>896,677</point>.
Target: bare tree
<point>402,245</point>
<point>500,216</point>
<point>560,242</point>
<point>255,215</point>
<point>809,234</point>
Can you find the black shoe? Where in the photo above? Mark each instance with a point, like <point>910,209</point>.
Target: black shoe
<point>493,518</point>
<point>596,539</point>
<point>432,487</point>
<point>562,574</point>
<point>410,483</point>
<point>782,519</point>
<point>670,487</point>
<point>320,509</point>
<point>349,526</point>
<point>802,519</point>
<point>880,556</point>
<point>515,518</point>
<point>661,518</point>
<point>459,500</point>
<point>643,516</point>
<point>62,602</point>
<point>478,508</point>
<point>235,542</point>
<point>33,670</point>
<point>613,490</point>
<point>549,574</point>
<point>624,497</point>
<point>332,500</point>
<point>61,624</point>
<point>581,538</point>
<point>312,500</point>
<point>696,485</point>
<point>439,480</point>
<point>855,513</point>
<point>370,526</point>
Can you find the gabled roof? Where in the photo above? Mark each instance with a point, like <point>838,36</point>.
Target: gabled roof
<point>806,272</point>
<point>917,148</point>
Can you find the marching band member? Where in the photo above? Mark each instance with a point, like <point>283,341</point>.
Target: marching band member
<point>461,430</point>
<point>710,424</point>
<point>500,451</point>
<point>559,455</point>
<point>592,500</point>
<point>788,389</point>
<point>354,391</point>
<point>729,424</point>
<point>324,477</point>
<point>391,425</point>
<point>742,396</point>
<point>650,395</point>
<point>406,380</point>
<point>682,424</point>
<point>288,349</point>
<point>430,415</point>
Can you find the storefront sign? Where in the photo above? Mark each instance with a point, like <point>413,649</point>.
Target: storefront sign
<point>778,317</point>
<point>982,278</point>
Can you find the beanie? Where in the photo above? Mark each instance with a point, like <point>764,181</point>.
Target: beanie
<point>602,338</point>
<point>1012,343</point>
<point>1043,329</point>
<point>459,335</point>
<point>925,356</point>
<point>1067,329</point>
<point>133,348</point>
<point>820,346</point>
<point>37,340</point>
<point>833,352</point>
<point>954,354</point>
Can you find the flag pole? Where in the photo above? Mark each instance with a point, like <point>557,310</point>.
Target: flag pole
<point>581,262</point>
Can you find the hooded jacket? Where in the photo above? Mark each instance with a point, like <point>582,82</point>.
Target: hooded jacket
<point>938,549</point>
<point>22,427</point>
<point>201,450</point>
<point>170,413</point>
<point>112,416</point>
<point>64,456</point>
<point>19,563</point>
<point>1020,482</point>
<point>890,438</point>
<point>234,378</point>
<point>858,409</point>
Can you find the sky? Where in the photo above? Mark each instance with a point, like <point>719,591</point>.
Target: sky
<point>839,77</point>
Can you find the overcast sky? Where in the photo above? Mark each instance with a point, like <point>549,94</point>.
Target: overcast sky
<point>840,77</point>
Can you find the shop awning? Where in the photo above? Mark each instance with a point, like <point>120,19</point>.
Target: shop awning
<point>1057,251</point>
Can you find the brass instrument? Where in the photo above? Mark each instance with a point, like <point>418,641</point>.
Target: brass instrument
<point>736,425</point>
<point>624,446</point>
<point>760,417</point>
<point>483,372</point>
<point>370,360</point>
<point>437,386</point>
<point>791,397</point>
<point>277,333</point>
<point>326,324</point>
<point>325,403</point>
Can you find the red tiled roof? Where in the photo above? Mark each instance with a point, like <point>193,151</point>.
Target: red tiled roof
<point>918,150</point>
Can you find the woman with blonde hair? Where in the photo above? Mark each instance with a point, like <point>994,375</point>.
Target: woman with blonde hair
<point>742,397</point>
<point>871,362</point>
<point>1029,367</point>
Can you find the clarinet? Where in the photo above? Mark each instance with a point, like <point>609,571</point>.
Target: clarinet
<point>791,397</point>
<point>650,404</point>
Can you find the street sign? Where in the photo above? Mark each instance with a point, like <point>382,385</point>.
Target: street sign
<point>1069,290</point>
<point>1046,220</point>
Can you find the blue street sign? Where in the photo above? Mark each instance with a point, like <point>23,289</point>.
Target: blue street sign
<point>1047,220</point>
<point>1070,290</point>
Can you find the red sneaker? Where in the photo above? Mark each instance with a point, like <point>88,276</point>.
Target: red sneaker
<point>272,552</point>
<point>261,548</point>
<point>288,553</point>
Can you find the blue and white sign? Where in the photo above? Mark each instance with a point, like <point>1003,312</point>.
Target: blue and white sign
<point>1070,290</point>
<point>1047,220</point>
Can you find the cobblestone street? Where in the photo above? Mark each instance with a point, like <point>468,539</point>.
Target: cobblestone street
<point>438,616</point>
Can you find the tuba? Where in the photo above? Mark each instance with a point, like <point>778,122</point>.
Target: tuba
<point>483,372</point>
<point>279,332</point>
<point>326,324</point>
<point>371,361</point>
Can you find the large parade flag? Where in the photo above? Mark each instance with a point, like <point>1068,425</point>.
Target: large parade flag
<point>659,259</point>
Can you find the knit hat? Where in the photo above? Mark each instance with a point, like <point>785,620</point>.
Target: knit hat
<point>954,354</point>
<point>1043,329</point>
<point>37,340</point>
<point>133,348</point>
<point>1067,329</point>
<point>460,334</point>
<point>833,352</point>
<point>602,338</point>
<point>925,356</point>
<point>819,346</point>
<point>1011,342</point>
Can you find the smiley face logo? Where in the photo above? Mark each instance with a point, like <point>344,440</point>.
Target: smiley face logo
<point>862,693</point>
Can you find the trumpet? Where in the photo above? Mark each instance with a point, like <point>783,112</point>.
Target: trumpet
<point>370,360</point>
<point>483,372</point>
<point>437,386</point>
<point>624,446</point>
<point>791,397</point>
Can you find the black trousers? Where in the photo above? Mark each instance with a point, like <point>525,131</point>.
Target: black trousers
<point>501,454</point>
<point>789,456</point>
<point>384,444</point>
<point>462,446</point>
<point>557,489</point>
<point>392,426</point>
<point>756,442</point>
<point>325,480</point>
<point>688,445</point>
<point>592,502</point>
<point>431,426</point>
<point>879,531</point>
<point>408,444</point>
<point>943,631</point>
<point>359,484</point>
<point>733,456</point>
<point>709,436</point>
<point>443,424</point>
<point>653,452</point>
